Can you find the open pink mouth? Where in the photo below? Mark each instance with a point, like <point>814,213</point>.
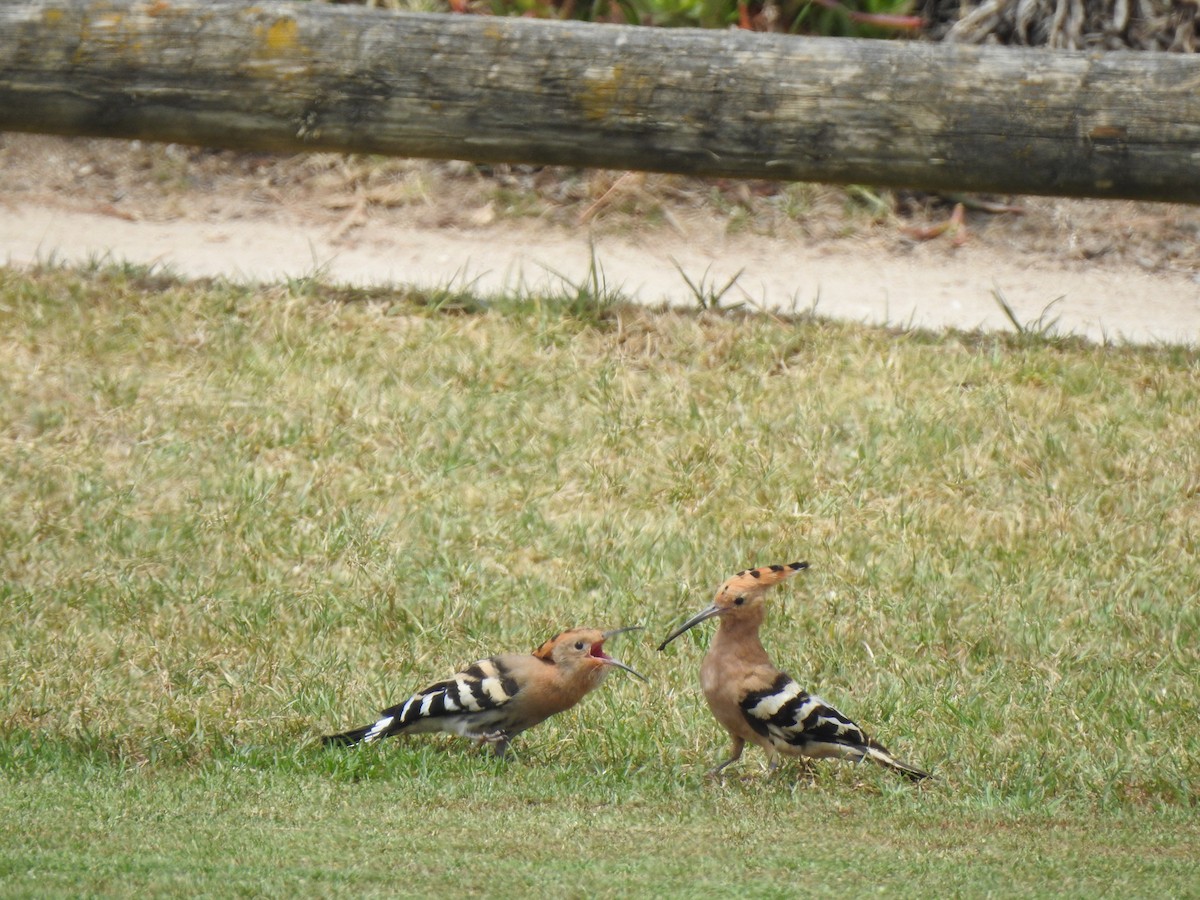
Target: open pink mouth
<point>598,651</point>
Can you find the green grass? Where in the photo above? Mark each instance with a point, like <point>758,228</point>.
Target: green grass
<point>235,518</point>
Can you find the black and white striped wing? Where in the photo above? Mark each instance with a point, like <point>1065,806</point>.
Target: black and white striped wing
<point>468,703</point>
<point>791,717</point>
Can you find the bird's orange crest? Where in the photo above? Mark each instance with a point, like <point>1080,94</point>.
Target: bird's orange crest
<point>546,651</point>
<point>590,636</point>
<point>756,580</point>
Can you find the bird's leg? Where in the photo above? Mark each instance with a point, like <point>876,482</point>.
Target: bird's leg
<point>735,753</point>
<point>773,760</point>
<point>498,739</point>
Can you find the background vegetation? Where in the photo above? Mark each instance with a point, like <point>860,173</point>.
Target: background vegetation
<point>858,18</point>
<point>1156,25</point>
<point>235,518</point>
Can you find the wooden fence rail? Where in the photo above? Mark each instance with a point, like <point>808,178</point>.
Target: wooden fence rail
<point>285,76</point>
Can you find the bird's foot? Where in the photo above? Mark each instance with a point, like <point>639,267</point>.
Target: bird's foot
<point>498,739</point>
<point>718,772</point>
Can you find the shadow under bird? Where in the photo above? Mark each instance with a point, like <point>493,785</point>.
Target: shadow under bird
<point>495,699</point>
<point>756,702</point>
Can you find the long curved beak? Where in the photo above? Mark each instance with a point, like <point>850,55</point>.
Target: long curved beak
<point>608,660</point>
<point>691,623</point>
<point>620,665</point>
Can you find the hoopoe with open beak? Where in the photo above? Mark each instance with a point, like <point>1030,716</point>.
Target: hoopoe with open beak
<point>756,702</point>
<point>495,699</point>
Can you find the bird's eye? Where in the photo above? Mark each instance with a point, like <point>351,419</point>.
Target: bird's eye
<point>579,645</point>
<point>738,601</point>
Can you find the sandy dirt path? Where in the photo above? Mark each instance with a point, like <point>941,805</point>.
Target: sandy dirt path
<point>876,279</point>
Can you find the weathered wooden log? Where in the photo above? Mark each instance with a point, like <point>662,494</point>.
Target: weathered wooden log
<point>283,76</point>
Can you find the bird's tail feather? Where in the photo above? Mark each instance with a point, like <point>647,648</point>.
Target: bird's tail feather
<point>879,755</point>
<point>347,738</point>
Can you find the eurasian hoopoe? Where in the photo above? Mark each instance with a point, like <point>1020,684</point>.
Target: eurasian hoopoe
<point>756,702</point>
<point>495,699</point>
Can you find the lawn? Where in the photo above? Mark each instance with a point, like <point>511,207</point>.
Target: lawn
<point>234,518</point>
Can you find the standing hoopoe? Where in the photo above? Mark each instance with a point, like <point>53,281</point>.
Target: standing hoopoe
<point>756,702</point>
<point>495,699</point>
